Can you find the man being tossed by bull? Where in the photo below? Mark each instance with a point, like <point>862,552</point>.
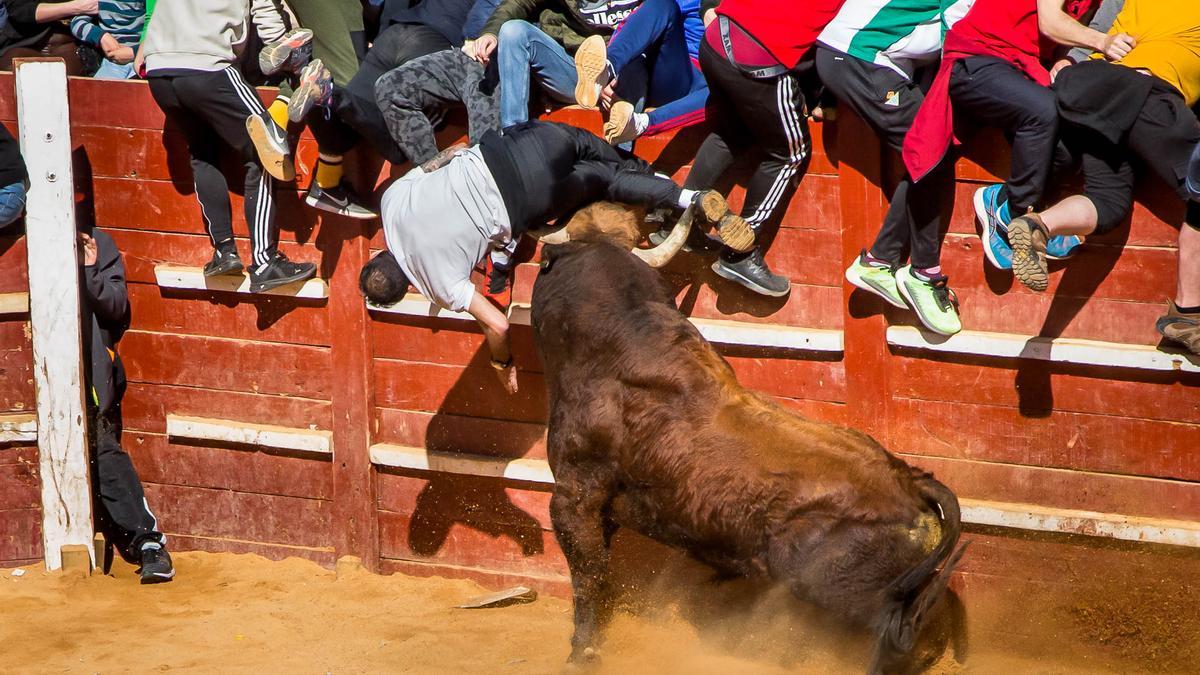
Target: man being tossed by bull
<point>442,218</point>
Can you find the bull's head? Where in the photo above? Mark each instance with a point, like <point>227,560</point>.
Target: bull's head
<point>620,225</point>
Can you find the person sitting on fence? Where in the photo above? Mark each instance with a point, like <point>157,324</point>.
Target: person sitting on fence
<point>337,46</point>
<point>753,55</point>
<point>992,74</point>
<point>190,61</point>
<point>868,57</point>
<point>441,218</point>
<point>37,29</point>
<point>122,513</point>
<point>408,33</point>
<point>662,37</point>
<point>1139,109</point>
<point>116,32</point>
<point>13,179</point>
<point>522,47</point>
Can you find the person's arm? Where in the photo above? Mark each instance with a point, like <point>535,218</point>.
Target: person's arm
<point>85,30</point>
<point>104,279</point>
<point>1062,28</point>
<point>506,11</point>
<point>268,20</point>
<point>45,12</point>
<point>1102,21</point>
<point>495,329</point>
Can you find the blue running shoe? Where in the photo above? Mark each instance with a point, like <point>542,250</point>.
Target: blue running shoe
<point>1063,246</point>
<point>993,218</point>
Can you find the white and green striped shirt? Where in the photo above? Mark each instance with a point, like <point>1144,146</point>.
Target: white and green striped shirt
<point>899,34</point>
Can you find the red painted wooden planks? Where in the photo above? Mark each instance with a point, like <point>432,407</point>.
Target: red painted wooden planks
<point>268,519</point>
<point>429,536</point>
<point>20,487</point>
<point>712,297</point>
<point>472,391</point>
<point>16,366</point>
<point>444,341</point>
<point>261,318</point>
<point>465,499</point>
<point>1102,443</point>
<point>143,250</point>
<point>816,379</point>
<point>323,555</point>
<point>225,364</point>
<point>146,406</point>
<point>203,464</point>
<point>1051,316</point>
<point>557,585</point>
<point>1038,386</point>
<point>20,536</point>
<point>1066,489</point>
<point>14,266</point>
<point>443,432</point>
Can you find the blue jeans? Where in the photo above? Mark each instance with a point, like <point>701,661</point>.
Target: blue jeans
<point>653,38</point>
<point>12,203</point>
<point>112,71</point>
<point>523,48</point>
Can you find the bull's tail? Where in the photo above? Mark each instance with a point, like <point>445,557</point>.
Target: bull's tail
<point>916,591</point>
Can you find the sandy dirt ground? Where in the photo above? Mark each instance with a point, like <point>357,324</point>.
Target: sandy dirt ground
<point>244,614</point>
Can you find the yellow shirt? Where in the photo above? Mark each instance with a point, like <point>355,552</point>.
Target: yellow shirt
<point>1168,41</point>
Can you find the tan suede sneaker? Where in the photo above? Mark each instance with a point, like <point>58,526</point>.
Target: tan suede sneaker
<point>1180,327</point>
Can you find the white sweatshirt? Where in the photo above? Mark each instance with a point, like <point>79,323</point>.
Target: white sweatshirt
<point>206,34</point>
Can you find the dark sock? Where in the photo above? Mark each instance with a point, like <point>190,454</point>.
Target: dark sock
<point>1003,197</point>
<point>227,246</point>
<point>1188,310</point>
<point>927,273</point>
<point>871,259</point>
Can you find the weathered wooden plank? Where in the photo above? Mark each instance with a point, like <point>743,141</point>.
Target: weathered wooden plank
<point>1056,350</point>
<point>420,459</point>
<point>322,555</point>
<point>1101,443</point>
<point>221,363</point>
<point>260,471</point>
<point>14,265</point>
<point>708,296</point>
<point>225,514</point>
<point>146,406</point>
<point>1040,387</point>
<point>192,278</point>
<point>463,391</point>
<point>262,318</point>
<point>143,251</point>
<point>442,432</point>
<point>54,307</point>
<point>246,433</point>
<point>524,549</point>
<point>1032,314</point>
<point>794,378</point>
<point>14,303</point>
<point>18,427</point>
<point>20,535</point>
<point>465,499</point>
<point>20,486</point>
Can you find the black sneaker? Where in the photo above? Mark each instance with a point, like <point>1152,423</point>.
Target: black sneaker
<point>340,200</point>
<point>279,272</point>
<point>751,271</point>
<point>156,564</point>
<point>225,260</point>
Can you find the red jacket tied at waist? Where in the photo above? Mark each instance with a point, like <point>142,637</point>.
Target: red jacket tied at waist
<point>1005,29</point>
<point>787,29</point>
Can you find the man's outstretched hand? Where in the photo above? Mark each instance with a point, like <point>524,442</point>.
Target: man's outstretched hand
<point>508,378</point>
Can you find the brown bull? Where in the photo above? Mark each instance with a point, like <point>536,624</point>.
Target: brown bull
<point>649,429</point>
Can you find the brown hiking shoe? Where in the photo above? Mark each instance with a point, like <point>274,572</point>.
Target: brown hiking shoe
<point>733,230</point>
<point>1028,236</point>
<point>1180,327</point>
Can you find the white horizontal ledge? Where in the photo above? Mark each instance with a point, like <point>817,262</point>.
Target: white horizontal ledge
<point>14,303</point>
<point>18,428</point>
<point>415,304</point>
<point>420,459</point>
<point>244,433</point>
<point>192,278</point>
<point>1087,523</point>
<point>998,514</point>
<point>1058,350</point>
<point>719,331</point>
<point>724,332</point>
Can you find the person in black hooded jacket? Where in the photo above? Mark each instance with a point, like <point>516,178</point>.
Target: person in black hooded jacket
<point>122,513</point>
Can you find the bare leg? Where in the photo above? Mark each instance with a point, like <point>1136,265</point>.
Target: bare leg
<point>1187,294</point>
<point>1073,215</point>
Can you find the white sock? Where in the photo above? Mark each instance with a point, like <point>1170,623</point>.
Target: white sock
<point>685,198</point>
<point>641,122</point>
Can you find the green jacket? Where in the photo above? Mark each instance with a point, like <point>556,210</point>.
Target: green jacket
<point>567,21</point>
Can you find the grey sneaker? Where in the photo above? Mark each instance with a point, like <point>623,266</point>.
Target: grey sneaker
<point>751,271</point>
<point>289,53</point>
<point>340,200</point>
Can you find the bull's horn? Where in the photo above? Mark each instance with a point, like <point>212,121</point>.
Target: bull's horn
<point>661,255</point>
<point>559,236</point>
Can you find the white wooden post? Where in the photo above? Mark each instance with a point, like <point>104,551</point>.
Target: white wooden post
<point>54,306</point>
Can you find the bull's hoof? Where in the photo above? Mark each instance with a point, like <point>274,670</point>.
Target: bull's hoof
<point>583,660</point>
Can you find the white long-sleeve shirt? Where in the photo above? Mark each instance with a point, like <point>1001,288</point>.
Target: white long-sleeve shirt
<point>206,35</point>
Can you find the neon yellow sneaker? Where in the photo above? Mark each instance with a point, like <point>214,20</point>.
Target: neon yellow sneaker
<point>933,301</point>
<point>875,278</point>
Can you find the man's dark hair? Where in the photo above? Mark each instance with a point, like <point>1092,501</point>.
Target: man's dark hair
<point>382,281</point>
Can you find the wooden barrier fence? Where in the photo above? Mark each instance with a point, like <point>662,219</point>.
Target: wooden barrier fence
<point>307,424</point>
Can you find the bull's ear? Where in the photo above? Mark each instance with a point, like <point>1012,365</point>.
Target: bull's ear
<point>550,253</point>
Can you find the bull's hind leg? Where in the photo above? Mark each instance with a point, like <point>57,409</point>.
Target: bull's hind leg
<point>578,511</point>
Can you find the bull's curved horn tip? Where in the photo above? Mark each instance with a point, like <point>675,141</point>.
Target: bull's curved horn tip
<point>663,253</point>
